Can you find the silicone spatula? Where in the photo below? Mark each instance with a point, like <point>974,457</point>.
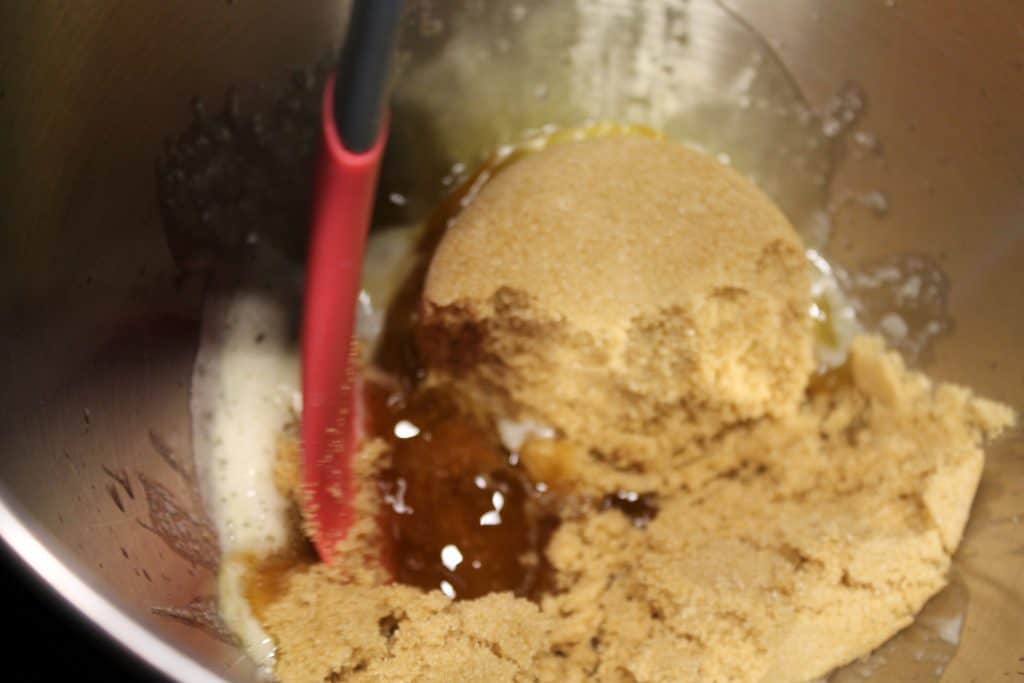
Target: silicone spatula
<point>354,130</point>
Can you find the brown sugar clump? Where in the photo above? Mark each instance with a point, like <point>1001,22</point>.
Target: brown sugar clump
<point>790,546</point>
<point>737,522</point>
<point>633,293</point>
<point>328,630</point>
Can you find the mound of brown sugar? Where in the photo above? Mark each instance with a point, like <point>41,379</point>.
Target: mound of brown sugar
<point>792,544</point>
<point>633,293</point>
<point>737,523</point>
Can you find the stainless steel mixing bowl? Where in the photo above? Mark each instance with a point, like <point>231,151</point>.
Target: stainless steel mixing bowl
<point>99,329</point>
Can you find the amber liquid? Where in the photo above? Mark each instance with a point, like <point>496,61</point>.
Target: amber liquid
<point>459,516</point>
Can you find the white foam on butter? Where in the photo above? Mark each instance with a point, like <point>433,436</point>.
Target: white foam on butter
<point>246,375</point>
<point>244,384</point>
<point>245,392</point>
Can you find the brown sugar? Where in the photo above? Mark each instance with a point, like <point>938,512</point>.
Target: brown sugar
<point>780,534</point>
<point>632,293</point>
<point>791,546</point>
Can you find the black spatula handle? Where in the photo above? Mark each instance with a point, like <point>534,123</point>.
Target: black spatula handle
<point>361,81</point>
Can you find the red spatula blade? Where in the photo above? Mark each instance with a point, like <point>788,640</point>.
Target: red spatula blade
<point>331,399</point>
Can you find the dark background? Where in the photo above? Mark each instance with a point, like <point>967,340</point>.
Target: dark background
<point>45,643</point>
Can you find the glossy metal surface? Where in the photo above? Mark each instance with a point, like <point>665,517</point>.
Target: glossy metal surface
<point>99,333</point>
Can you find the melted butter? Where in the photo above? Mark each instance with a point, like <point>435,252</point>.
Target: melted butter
<point>823,321</point>
<point>830,381</point>
<point>266,578</point>
<point>833,320</point>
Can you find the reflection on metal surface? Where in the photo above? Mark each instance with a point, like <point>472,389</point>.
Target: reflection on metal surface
<point>200,613</point>
<point>243,173</point>
<point>183,532</point>
<point>923,650</point>
<point>182,466</point>
<point>71,582</point>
